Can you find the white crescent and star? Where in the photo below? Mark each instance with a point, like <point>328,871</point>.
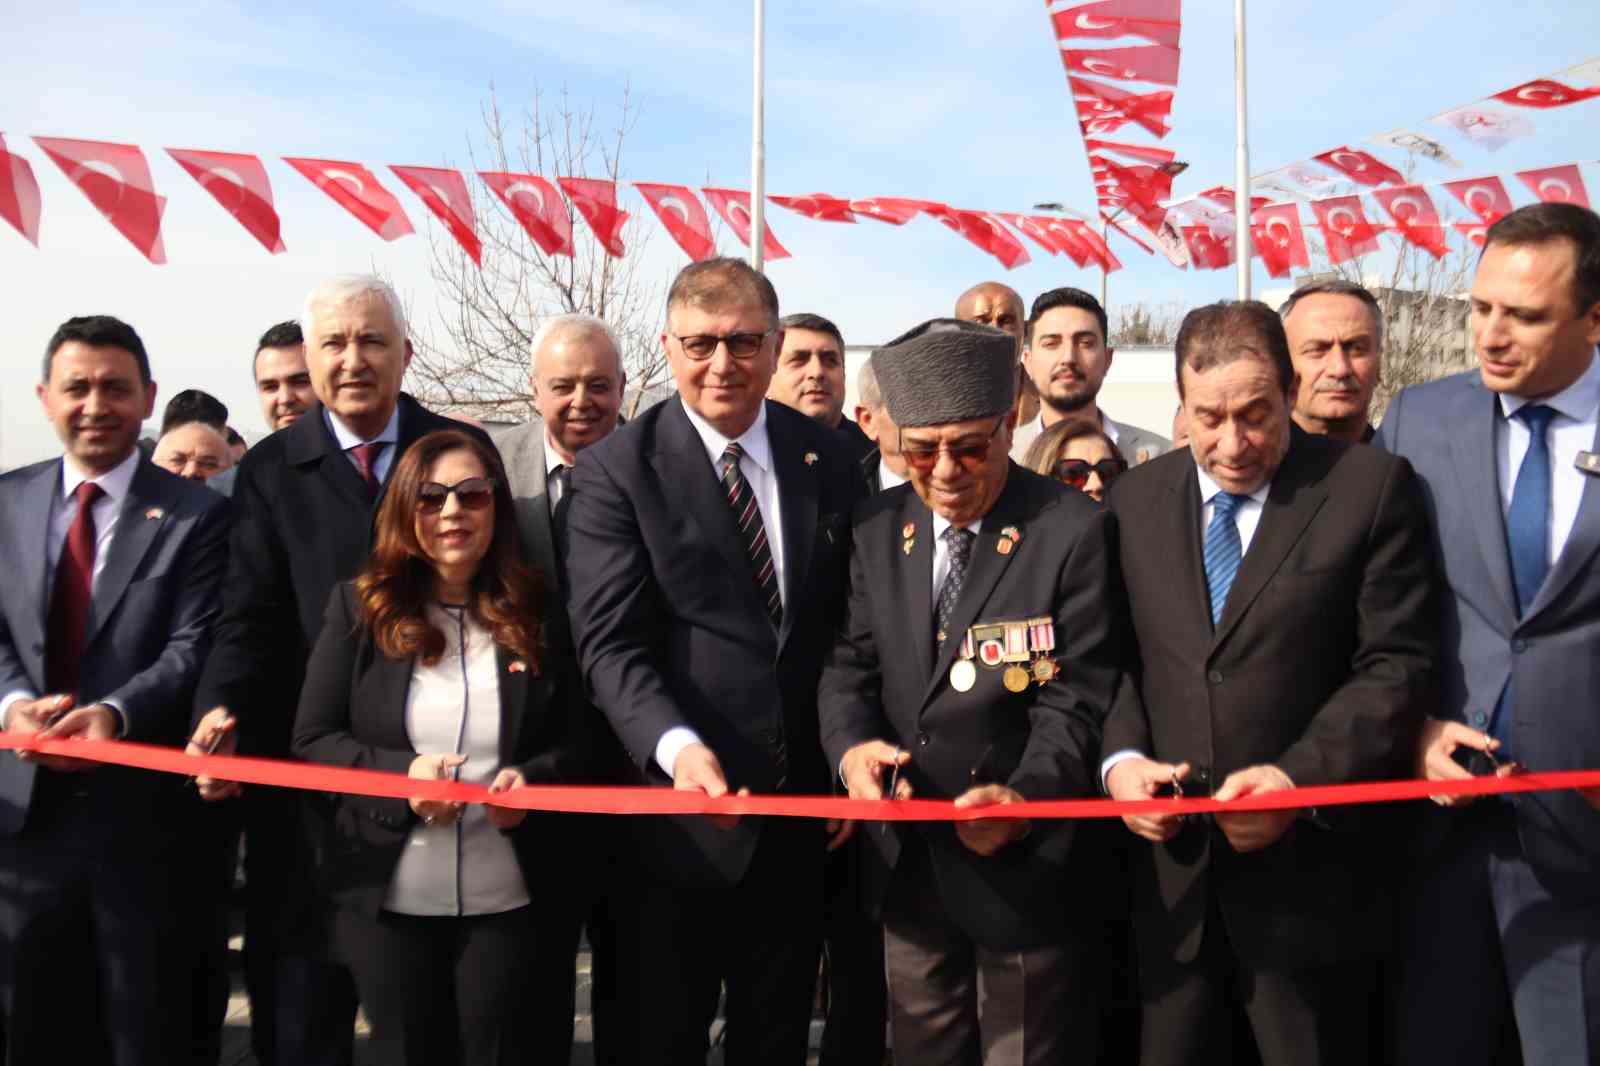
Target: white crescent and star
<point>1558,186</point>
<point>103,168</point>
<point>343,177</point>
<point>1477,193</point>
<point>1085,21</point>
<point>1406,201</point>
<point>1342,229</point>
<point>673,203</point>
<point>1360,166</point>
<point>528,189</point>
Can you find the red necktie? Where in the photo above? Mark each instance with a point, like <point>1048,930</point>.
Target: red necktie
<point>366,457</point>
<point>72,596</point>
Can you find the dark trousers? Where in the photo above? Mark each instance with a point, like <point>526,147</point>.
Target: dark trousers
<point>482,990</point>
<point>763,937</point>
<point>1493,959</point>
<point>1314,1016</point>
<point>852,953</point>
<point>607,911</point>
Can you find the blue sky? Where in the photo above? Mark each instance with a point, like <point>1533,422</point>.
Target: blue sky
<point>949,101</point>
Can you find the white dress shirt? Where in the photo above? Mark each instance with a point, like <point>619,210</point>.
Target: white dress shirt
<point>552,485</point>
<point>1247,517</point>
<point>468,867</point>
<point>887,479</point>
<point>115,484</point>
<point>941,551</point>
<point>390,435</point>
<point>757,466</point>
<point>1572,430</point>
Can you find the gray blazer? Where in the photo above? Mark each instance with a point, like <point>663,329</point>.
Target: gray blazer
<point>522,451</point>
<point>1136,445</point>
<point>1446,428</point>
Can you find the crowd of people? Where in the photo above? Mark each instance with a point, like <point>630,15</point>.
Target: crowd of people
<point>981,588</point>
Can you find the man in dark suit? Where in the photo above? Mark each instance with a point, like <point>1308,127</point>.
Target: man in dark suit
<point>978,658</point>
<point>1335,330</point>
<point>810,376</point>
<point>577,382</point>
<point>705,577</point>
<point>1284,597</point>
<point>115,567</point>
<point>1505,938</point>
<point>303,505</point>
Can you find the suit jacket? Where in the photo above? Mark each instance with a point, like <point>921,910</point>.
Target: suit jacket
<point>353,713</point>
<point>1321,665</point>
<point>670,627</point>
<point>884,681</point>
<point>150,625</point>
<point>302,524</point>
<point>856,442</point>
<point>1136,445</point>
<point>1446,428</point>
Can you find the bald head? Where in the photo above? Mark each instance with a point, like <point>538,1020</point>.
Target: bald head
<point>577,381</point>
<point>993,304</point>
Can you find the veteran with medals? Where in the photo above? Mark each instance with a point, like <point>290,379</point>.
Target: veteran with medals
<point>979,655</point>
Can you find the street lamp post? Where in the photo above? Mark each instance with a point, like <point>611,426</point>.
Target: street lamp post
<point>758,146</point>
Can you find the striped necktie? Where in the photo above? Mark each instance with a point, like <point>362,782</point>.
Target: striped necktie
<point>1222,550</point>
<point>747,515</point>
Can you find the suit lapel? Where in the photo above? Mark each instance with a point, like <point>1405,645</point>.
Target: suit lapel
<point>1291,504</point>
<point>33,541</point>
<point>313,441</point>
<point>1472,448</point>
<point>513,697</point>
<point>912,573</point>
<point>1182,518</point>
<point>140,519</point>
<point>797,489</point>
<point>390,680</point>
<point>1580,547</point>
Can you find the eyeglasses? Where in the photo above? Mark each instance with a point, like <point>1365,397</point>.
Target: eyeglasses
<point>1075,472</point>
<point>923,458</point>
<point>701,346</point>
<point>475,493</point>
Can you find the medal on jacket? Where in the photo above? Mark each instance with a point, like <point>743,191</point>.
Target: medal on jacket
<point>1042,641</point>
<point>963,674</point>
<point>1016,652</point>
<point>908,536</point>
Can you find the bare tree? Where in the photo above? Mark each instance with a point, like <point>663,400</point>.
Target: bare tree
<point>475,360</point>
<point>1142,323</point>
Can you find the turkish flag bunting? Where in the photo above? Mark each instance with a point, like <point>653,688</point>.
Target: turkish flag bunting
<point>1146,185</point>
<point>680,211</point>
<point>1276,234</point>
<point>1114,224</point>
<point>1105,108</point>
<point>1557,185</point>
<point>895,210</point>
<point>1067,238</point>
<point>19,194</point>
<point>985,231</point>
<point>1361,167</point>
<point>116,179</point>
<point>596,201</point>
<point>734,207</point>
<point>1224,195</point>
<point>817,205</point>
<point>239,183</point>
<point>356,189</point>
<point>1035,228</point>
<point>1099,251</point>
<point>445,194</point>
<point>1546,92</point>
<point>1207,250</point>
<point>1154,20</point>
<point>1415,217</point>
<point>1146,62</point>
<point>1345,228</point>
<point>1148,152</point>
<point>1476,232</point>
<point>537,207</point>
<point>1484,197</point>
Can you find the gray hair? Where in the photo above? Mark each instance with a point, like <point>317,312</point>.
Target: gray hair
<point>576,323</point>
<point>867,387</point>
<point>1337,287</point>
<point>347,287</point>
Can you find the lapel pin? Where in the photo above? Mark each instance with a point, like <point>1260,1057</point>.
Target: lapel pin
<point>1004,546</point>
<point>1012,533</point>
<point>1141,456</point>
<point>811,458</point>
<point>1588,462</point>
<point>155,512</point>
<point>517,666</point>
<point>908,530</point>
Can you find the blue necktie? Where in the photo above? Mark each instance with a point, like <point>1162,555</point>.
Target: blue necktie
<point>1528,538</point>
<point>1222,551</point>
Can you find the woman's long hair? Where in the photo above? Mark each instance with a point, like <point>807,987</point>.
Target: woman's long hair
<point>398,581</point>
<point>1047,448</point>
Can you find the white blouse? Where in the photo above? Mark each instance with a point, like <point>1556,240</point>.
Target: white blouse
<point>454,706</point>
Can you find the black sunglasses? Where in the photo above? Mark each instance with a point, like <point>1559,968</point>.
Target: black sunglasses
<point>1075,472</point>
<point>475,493</point>
<point>922,458</point>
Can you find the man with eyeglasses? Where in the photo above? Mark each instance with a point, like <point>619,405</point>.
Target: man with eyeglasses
<point>979,654</point>
<point>705,577</point>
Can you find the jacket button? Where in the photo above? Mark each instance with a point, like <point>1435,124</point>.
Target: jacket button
<point>1519,645</point>
<point>1479,719</point>
<point>1215,677</point>
<point>922,738</point>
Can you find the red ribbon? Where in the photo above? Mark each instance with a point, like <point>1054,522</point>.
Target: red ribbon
<point>605,799</point>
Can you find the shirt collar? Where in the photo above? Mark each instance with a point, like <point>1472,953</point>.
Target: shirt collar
<point>1109,428</point>
<point>552,458</point>
<point>1578,401</point>
<point>941,523</point>
<point>1209,488</point>
<point>887,479</point>
<point>390,434</point>
<point>754,440</point>
<point>115,482</point>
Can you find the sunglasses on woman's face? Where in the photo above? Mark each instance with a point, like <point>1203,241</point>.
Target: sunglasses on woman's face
<point>1075,472</point>
<point>475,493</point>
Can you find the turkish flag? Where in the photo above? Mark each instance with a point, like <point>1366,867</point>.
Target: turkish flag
<point>1099,251</point>
<point>1035,228</point>
<point>596,201</point>
<point>19,194</point>
<point>734,207</point>
<point>1207,250</point>
<point>445,194</point>
<point>116,179</point>
<point>1146,62</point>
<point>985,231</point>
<point>1484,197</point>
<point>1276,234</point>
<point>537,207</point>
<point>1105,108</point>
<point>1154,20</point>
<point>895,210</point>
<point>1364,168</point>
<point>356,189</point>
<point>1345,228</point>
<point>1415,217</point>
<point>1148,152</point>
<point>1066,237</point>
<point>1556,185</point>
<point>1491,127</point>
<point>1476,232</point>
<point>680,211</point>
<point>239,183</point>
<point>1546,92</point>
<point>1146,185</point>
<point>817,205</point>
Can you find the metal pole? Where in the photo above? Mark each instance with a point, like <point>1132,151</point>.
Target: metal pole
<point>1105,236</point>
<point>1241,190</point>
<point>758,148</point>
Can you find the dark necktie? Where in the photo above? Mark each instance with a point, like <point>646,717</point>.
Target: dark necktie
<point>747,515</point>
<point>1528,539</point>
<point>560,482</point>
<point>366,457</point>
<point>72,596</point>
<point>1222,550</point>
<point>958,542</point>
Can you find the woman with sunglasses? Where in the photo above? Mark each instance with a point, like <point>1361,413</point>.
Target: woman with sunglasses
<point>1079,455</point>
<point>452,918</point>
